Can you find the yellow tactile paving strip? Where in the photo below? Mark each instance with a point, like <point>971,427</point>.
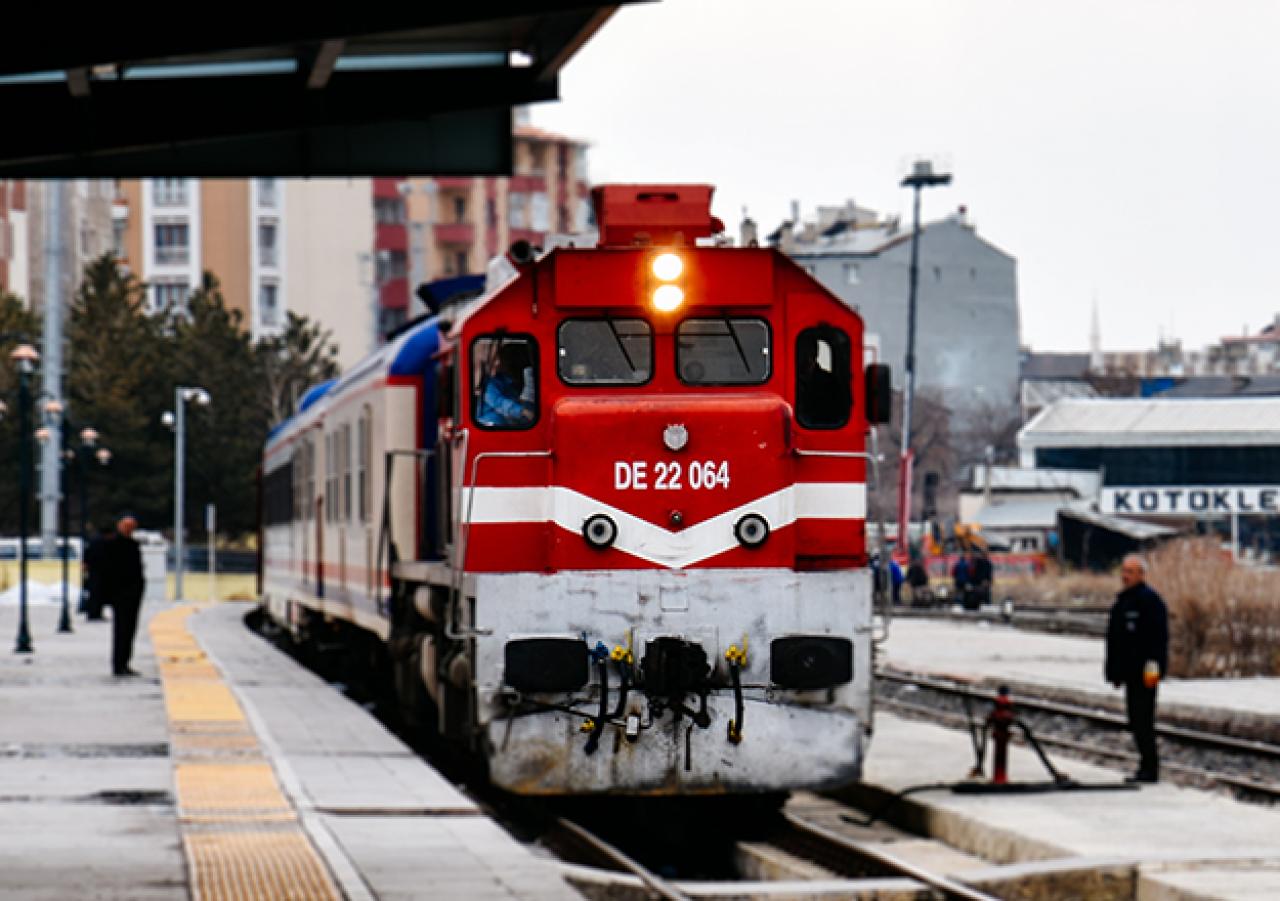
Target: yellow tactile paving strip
<point>241,835</point>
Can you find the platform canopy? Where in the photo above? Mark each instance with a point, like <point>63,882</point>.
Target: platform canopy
<point>375,89</point>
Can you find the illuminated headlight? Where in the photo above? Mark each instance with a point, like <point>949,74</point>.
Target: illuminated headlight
<point>751,530</point>
<point>667,298</point>
<point>809,662</point>
<point>600,531</point>
<point>667,266</point>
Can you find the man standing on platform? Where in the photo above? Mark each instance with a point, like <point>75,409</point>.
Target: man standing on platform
<point>121,583</point>
<point>1137,657</point>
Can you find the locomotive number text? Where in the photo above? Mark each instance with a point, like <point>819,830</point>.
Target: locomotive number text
<point>634,475</point>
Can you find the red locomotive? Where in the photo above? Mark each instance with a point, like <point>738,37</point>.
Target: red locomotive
<point>608,519</point>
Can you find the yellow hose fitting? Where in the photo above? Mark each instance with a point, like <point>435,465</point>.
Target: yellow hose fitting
<point>734,655</point>
<point>621,655</point>
<point>588,725</point>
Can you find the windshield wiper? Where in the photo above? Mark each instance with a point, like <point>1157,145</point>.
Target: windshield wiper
<point>622,347</point>
<point>733,333</point>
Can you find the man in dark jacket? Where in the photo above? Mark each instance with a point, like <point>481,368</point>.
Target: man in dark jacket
<point>91,602</point>
<point>1137,656</point>
<point>121,583</point>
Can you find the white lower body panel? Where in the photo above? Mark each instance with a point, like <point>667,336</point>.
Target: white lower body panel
<point>790,739</point>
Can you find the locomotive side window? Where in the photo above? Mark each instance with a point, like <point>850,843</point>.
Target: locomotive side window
<point>726,351</point>
<point>605,351</point>
<point>504,381</point>
<point>823,397</point>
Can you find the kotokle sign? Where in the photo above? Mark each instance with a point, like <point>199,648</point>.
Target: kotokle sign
<point>1196,500</point>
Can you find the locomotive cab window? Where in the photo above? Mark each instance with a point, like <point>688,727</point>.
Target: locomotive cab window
<point>605,351</point>
<point>725,351</point>
<point>823,396</point>
<point>504,381</point>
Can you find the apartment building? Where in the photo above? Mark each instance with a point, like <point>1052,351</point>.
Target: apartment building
<point>85,233</point>
<point>273,244</point>
<point>967,295</point>
<point>433,228</point>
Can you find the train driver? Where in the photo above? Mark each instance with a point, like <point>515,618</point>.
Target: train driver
<point>509,400</point>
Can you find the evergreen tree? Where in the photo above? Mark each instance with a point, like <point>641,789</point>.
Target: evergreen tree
<point>117,380</point>
<point>17,325</point>
<point>299,357</point>
<point>211,348</point>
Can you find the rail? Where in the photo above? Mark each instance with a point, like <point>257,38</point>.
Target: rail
<point>384,525</point>
<point>653,882</point>
<point>846,455</point>
<point>949,888</point>
<point>1192,737</point>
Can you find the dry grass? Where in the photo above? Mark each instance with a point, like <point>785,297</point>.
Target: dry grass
<point>1224,618</point>
<point>1061,588</point>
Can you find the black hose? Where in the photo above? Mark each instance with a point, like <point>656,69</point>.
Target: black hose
<point>624,684</point>
<point>893,799</point>
<point>739,708</point>
<point>597,729</point>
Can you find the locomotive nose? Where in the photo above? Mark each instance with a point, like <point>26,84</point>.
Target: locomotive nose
<point>671,480</point>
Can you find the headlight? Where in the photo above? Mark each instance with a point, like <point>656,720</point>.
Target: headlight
<point>600,531</point>
<point>667,266</point>
<point>667,298</point>
<point>751,530</point>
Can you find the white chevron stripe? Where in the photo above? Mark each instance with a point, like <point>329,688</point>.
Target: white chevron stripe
<point>569,509</point>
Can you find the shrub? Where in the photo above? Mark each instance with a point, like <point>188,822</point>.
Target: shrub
<point>1224,619</point>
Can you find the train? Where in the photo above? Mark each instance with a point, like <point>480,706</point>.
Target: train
<point>605,522</point>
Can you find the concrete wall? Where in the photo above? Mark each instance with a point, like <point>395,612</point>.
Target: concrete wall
<point>330,228</point>
<point>967,309</point>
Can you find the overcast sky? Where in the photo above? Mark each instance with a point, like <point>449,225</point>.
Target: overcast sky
<point>1128,151</point>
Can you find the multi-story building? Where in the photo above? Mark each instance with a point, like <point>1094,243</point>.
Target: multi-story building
<point>273,244</point>
<point>344,252</point>
<point>13,238</point>
<point>433,228</point>
<point>967,296</point>
<point>24,242</point>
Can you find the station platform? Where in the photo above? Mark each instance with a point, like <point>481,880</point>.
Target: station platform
<point>224,770</point>
<point>1065,666</point>
<point>1176,843</point>
<point>1154,843</point>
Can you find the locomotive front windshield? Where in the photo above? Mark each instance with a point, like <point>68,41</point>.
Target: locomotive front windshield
<point>605,351</point>
<point>725,351</point>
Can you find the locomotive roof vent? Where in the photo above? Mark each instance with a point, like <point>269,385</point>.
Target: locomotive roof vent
<point>654,214</point>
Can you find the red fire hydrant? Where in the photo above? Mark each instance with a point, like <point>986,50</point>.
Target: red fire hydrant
<point>1000,720</point>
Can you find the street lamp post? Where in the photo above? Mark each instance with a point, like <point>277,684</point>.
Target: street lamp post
<point>24,357</point>
<point>55,423</point>
<point>88,447</point>
<point>922,176</point>
<point>177,419</point>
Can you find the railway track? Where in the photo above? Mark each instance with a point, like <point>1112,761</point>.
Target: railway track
<point>1247,768</point>
<point>642,862</point>
<point>1084,622</point>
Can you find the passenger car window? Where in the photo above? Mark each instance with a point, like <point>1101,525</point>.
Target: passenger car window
<point>824,399</point>
<point>723,351</point>
<point>605,351</point>
<point>504,381</point>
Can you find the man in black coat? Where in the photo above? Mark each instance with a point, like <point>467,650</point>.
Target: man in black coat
<point>92,601</point>
<point>121,583</point>
<point>1137,656</point>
